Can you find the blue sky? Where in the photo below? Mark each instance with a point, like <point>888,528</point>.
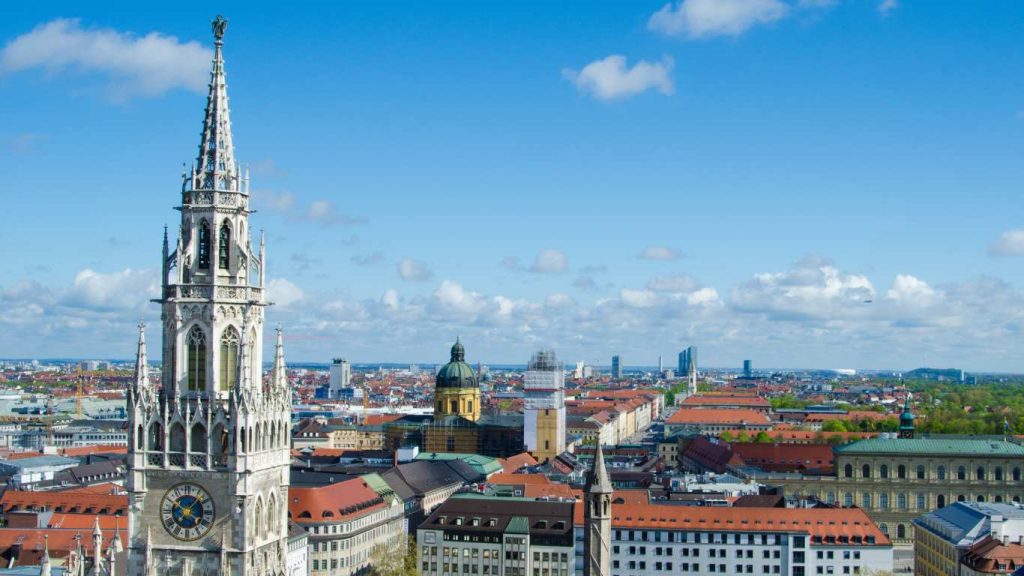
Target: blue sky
<point>621,177</point>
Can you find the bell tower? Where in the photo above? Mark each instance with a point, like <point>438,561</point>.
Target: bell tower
<point>209,448</point>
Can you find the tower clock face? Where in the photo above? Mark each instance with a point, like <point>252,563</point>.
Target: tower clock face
<point>187,512</point>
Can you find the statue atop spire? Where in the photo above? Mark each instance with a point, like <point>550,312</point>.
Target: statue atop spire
<point>220,24</point>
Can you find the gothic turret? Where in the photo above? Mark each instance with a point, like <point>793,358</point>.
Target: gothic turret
<point>597,540</point>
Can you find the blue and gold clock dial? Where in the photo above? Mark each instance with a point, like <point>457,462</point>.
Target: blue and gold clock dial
<point>187,511</point>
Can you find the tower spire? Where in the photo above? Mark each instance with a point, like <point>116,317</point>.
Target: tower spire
<point>216,160</point>
<point>279,378</point>
<point>597,479</point>
<point>141,385</point>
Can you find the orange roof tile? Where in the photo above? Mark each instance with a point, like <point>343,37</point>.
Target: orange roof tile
<point>717,416</point>
<point>333,502</point>
<point>505,478</point>
<point>65,501</point>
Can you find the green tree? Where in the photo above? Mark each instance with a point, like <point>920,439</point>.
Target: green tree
<point>763,437</point>
<point>394,558</point>
<point>833,425</point>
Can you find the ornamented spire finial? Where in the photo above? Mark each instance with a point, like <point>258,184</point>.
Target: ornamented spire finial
<point>220,24</point>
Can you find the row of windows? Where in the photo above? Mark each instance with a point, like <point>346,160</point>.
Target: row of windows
<point>701,537</point>
<point>695,552</point>
<point>901,472</point>
<point>902,502</point>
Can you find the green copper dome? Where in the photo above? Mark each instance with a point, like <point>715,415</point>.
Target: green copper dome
<point>457,374</point>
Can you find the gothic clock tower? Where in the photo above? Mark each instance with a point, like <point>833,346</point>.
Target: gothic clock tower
<point>209,449</point>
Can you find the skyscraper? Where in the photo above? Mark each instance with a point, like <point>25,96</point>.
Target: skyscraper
<point>209,453</point>
<point>341,377</point>
<point>748,369</point>
<point>616,367</point>
<point>544,406</point>
<point>686,358</point>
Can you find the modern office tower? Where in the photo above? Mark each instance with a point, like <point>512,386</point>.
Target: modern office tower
<point>544,406</point>
<point>341,377</point>
<point>748,369</point>
<point>686,358</point>
<point>209,451</point>
<point>661,364</point>
<point>578,372</point>
<point>616,367</point>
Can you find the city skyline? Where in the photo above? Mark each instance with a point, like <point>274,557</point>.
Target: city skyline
<point>646,206</point>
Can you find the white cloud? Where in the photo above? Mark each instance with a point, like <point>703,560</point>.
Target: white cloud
<point>128,289</point>
<point>887,6</point>
<point>703,297</point>
<point>133,66</point>
<point>911,290</point>
<point>282,202</point>
<point>452,297</point>
<point>283,293</point>
<point>559,300</point>
<point>813,289</point>
<point>1010,243</point>
<point>662,253</point>
<point>550,262</point>
<point>638,298</point>
<point>706,18</point>
<point>612,79</point>
<point>390,299</point>
<point>413,271</point>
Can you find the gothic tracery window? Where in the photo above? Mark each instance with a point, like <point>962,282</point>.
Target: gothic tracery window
<point>224,246</point>
<point>228,358</point>
<point>204,245</point>
<point>196,360</point>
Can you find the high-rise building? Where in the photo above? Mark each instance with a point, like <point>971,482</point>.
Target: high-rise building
<point>544,406</point>
<point>209,453</point>
<point>616,367</point>
<point>748,369</point>
<point>341,377</point>
<point>661,364</point>
<point>686,358</point>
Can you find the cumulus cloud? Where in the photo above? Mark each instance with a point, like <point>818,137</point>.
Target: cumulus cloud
<point>707,18</point>
<point>611,78</point>
<point>813,289</point>
<point>909,289</point>
<point>1010,243</point>
<point>681,283</point>
<point>278,202</point>
<point>133,66</point>
<point>550,262</point>
<point>414,271</point>
<point>102,292</point>
<point>283,293</point>
<point>638,298</point>
<point>662,253</point>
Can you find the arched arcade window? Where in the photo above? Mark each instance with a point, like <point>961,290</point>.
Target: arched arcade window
<point>204,245</point>
<point>196,360</point>
<point>224,246</point>
<point>228,359</point>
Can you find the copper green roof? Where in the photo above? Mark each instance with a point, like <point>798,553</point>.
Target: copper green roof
<point>484,465</point>
<point>932,446</point>
<point>518,525</point>
<point>457,374</point>
<point>375,482</point>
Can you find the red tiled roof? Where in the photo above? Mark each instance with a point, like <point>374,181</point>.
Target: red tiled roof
<point>514,463</point>
<point>785,457</point>
<point>726,400</point>
<point>372,419</point>
<point>505,478</point>
<point>817,523</point>
<point>717,416</point>
<point>59,541</point>
<point>70,501</point>
<point>333,502</point>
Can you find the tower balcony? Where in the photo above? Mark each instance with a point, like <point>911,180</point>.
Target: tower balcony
<point>211,292</point>
<point>218,198</point>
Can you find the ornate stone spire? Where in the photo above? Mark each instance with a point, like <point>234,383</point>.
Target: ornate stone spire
<point>215,166</point>
<point>279,376</point>
<point>141,364</point>
<point>597,478</point>
<point>97,549</point>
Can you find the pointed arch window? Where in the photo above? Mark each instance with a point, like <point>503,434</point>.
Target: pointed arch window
<point>196,360</point>
<point>228,359</point>
<point>204,245</point>
<point>224,246</point>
